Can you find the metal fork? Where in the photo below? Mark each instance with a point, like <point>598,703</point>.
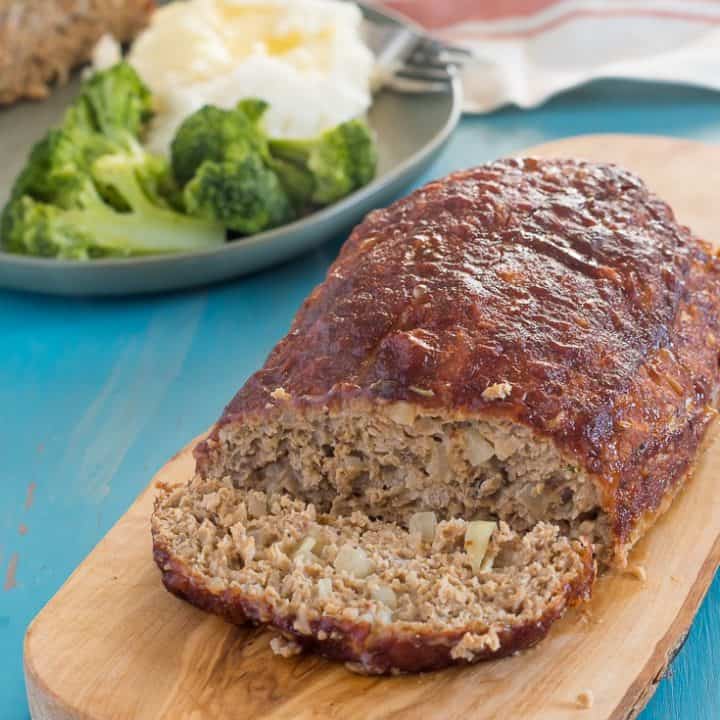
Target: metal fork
<point>410,61</point>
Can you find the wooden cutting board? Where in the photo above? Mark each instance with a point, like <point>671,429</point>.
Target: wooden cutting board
<point>113,644</point>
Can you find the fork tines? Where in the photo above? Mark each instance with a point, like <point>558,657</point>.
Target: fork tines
<point>413,62</point>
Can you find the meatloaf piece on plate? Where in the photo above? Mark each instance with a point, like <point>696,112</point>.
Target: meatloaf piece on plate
<point>503,375</point>
<point>41,41</point>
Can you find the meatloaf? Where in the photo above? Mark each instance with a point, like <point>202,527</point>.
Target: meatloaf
<point>531,343</point>
<point>41,41</point>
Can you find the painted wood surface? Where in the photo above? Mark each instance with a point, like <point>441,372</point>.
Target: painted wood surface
<point>114,644</point>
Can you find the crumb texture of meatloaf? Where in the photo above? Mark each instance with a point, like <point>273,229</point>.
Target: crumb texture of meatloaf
<point>41,41</point>
<point>394,461</point>
<point>530,340</point>
<point>365,591</point>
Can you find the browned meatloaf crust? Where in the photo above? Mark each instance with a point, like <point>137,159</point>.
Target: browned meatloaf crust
<point>41,41</point>
<point>530,342</point>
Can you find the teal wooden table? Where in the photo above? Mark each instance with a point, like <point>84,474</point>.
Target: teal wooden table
<point>96,395</point>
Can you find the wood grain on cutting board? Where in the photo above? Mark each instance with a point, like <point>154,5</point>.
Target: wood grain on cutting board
<point>114,644</point>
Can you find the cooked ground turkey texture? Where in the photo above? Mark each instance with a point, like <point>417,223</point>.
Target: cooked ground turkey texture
<point>41,41</point>
<point>531,342</point>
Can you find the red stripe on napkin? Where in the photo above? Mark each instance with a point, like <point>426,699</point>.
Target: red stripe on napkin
<point>434,15</point>
<point>460,34</point>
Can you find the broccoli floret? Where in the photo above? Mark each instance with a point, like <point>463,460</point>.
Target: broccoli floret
<point>221,158</point>
<point>55,171</point>
<point>340,160</point>
<point>211,133</point>
<point>297,182</point>
<point>79,117</point>
<point>97,206</point>
<point>254,109</point>
<point>97,229</point>
<point>113,101</point>
<point>30,228</point>
<point>242,194</point>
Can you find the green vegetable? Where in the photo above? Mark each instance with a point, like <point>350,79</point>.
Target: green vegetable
<point>212,133</point>
<point>87,225</point>
<point>55,173</point>
<point>115,101</point>
<point>242,194</point>
<point>234,173</point>
<point>89,189</point>
<point>51,172</point>
<point>297,182</point>
<point>339,161</point>
<point>222,159</point>
<point>254,109</point>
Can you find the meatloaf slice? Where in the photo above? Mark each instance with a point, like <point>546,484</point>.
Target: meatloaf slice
<point>41,41</point>
<point>365,591</point>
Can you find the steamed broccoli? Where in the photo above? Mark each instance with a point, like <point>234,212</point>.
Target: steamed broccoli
<point>242,194</point>
<point>339,161</point>
<point>115,101</point>
<point>79,222</point>
<point>51,173</point>
<point>297,182</point>
<point>221,158</point>
<point>89,189</point>
<point>56,172</point>
<point>234,173</point>
<point>212,133</point>
<point>253,109</point>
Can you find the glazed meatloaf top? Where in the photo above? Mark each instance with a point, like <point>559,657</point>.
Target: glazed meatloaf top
<point>558,294</point>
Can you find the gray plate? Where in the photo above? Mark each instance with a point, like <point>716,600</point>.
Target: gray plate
<point>411,130</point>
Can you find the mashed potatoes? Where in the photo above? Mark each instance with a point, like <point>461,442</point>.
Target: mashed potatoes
<point>305,57</point>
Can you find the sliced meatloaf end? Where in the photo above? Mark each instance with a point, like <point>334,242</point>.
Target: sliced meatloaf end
<point>364,591</point>
<point>41,41</point>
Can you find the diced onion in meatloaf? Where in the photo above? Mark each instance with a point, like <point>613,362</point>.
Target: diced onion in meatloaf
<point>410,467</point>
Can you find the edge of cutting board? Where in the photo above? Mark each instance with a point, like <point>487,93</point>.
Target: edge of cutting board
<point>113,644</point>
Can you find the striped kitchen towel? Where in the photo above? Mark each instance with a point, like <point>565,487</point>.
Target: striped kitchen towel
<point>528,50</point>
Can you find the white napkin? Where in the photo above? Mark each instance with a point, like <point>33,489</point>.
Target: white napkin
<point>529,50</point>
